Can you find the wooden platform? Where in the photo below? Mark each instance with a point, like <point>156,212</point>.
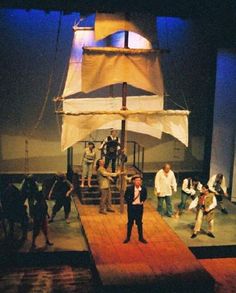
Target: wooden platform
<point>165,263</point>
<point>91,196</point>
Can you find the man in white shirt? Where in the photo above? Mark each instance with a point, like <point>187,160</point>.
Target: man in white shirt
<point>190,188</point>
<point>165,184</point>
<point>217,184</point>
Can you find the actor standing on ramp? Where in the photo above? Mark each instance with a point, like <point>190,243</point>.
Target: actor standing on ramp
<point>135,196</point>
<point>104,178</point>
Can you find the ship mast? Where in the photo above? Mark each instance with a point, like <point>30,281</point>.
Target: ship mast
<point>123,134</point>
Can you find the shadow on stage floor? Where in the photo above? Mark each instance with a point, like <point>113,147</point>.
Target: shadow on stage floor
<point>69,244</point>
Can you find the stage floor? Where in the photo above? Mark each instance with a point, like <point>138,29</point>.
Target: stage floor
<point>66,237</point>
<point>225,233</point>
<point>165,262</point>
<point>71,238</point>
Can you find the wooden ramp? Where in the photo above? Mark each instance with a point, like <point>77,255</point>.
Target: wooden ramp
<point>165,263</point>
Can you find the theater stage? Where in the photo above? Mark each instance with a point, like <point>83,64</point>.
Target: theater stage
<point>224,227</point>
<point>66,237</point>
<point>165,263</point>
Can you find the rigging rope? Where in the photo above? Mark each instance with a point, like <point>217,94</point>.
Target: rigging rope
<point>58,104</point>
<point>42,111</point>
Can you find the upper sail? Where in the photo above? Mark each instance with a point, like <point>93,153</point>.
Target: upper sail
<point>143,24</point>
<point>106,66</point>
<point>77,81</point>
<point>82,37</point>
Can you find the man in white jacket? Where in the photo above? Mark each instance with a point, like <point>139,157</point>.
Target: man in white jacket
<point>165,184</point>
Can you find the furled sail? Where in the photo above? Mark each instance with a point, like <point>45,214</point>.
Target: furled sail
<point>76,106</point>
<point>105,66</point>
<point>109,23</point>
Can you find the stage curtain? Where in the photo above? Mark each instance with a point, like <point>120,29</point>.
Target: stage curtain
<point>140,23</point>
<point>105,66</point>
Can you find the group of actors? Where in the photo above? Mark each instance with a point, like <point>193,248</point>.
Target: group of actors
<point>204,197</point>
<point>28,205</point>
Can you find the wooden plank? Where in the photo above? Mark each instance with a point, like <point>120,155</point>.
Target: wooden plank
<point>164,261</point>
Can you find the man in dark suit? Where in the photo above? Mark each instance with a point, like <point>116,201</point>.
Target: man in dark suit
<point>135,196</point>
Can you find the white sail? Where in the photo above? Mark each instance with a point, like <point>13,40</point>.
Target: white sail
<point>143,24</point>
<point>77,128</point>
<point>85,37</point>
<point>145,115</point>
<point>73,79</point>
<point>76,106</point>
<point>105,66</point>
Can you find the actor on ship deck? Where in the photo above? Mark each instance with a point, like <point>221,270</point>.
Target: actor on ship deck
<point>110,147</point>
<point>88,160</point>
<point>104,179</point>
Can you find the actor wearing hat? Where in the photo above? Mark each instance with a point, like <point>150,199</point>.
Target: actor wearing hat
<point>135,196</point>
<point>88,161</point>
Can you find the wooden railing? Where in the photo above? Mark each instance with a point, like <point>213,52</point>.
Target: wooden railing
<point>135,153</point>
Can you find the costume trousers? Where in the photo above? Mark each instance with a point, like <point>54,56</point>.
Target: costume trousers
<point>160,204</point>
<point>199,218</point>
<point>62,202</point>
<point>105,201</point>
<point>135,214</point>
<point>113,163</point>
